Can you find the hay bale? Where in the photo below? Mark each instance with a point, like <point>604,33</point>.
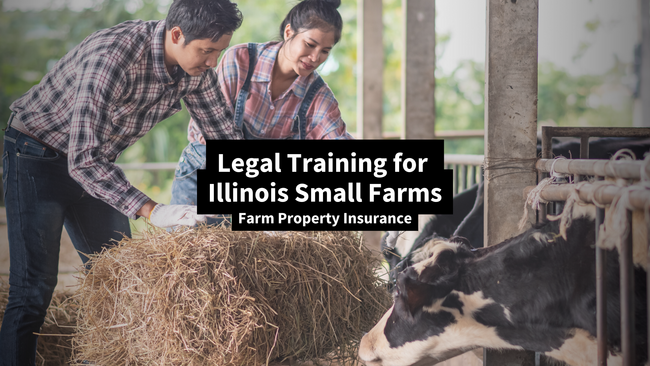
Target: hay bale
<point>54,342</point>
<point>214,296</point>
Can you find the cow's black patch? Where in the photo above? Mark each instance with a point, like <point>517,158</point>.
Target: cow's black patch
<point>491,315</point>
<point>400,330</point>
<point>453,301</point>
<point>539,338</point>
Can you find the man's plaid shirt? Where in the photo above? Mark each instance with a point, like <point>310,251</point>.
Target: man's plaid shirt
<point>109,91</point>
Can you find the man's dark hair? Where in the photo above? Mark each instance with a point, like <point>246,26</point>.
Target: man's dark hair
<point>204,19</point>
<point>310,14</point>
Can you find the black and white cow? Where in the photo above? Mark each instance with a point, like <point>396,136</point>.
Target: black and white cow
<point>535,291</point>
<point>466,221</point>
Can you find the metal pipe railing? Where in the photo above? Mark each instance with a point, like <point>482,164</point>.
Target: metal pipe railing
<point>464,159</point>
<point>462,164</point>
<point>616,169</point>
<point>626,169</point>
<point>603,195</point>
<point>627,297</point>
<point>447,135</point>
<point>588,132</point>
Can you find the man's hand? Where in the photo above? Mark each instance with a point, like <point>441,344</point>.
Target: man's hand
<point>173,215</point>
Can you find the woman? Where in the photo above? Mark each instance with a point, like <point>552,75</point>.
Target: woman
<point>274,89</point>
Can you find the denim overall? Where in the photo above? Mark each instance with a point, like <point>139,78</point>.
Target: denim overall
<point>193,157</point>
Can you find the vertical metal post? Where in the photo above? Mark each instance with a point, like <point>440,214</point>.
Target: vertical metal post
<point>510,126</point>
<point>547,152</point>
<point>370,70</point>
<point>601,292</point>
<point>463,178</point>
<point>418,70</point>
<point>584,154</point>
<point>472,175</point>
<point>627,297</point>
<point>454,184</point>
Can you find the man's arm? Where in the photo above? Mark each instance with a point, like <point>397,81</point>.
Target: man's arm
<point>100,82</point>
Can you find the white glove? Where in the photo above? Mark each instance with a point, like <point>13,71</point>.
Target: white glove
<point>173,215</point>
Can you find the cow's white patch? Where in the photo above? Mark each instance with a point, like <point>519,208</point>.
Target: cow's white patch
<point>427,250</point>
<point>581,350</point>
<point>406,239</point>
<point>431,251</point>
<point>463,335</point>
<point>507,313</point>
<point>374,348</point>
<point>471,303</point>
<point>541,237</point>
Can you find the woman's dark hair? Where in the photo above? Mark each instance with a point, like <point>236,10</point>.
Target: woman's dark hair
<point>204,19</point>
<point>310,14</point>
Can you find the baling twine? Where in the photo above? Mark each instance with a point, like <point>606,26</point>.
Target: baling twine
<point>616,225</point>
<point>516,165</point>
<point>534,198</point>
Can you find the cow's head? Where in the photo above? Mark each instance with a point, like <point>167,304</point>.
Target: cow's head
<point>430,320</point>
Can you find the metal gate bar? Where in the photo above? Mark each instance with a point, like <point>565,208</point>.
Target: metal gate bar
<point>625,169</point>
<point>627,297</point>
<point>602,195</point>
<point>601,293</point>
<point>638,200</point>
<point>626,268</point>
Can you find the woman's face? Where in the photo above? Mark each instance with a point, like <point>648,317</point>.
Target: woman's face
<point>307,50</point>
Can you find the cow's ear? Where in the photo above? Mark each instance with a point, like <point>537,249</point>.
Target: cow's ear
<point>412,294</point>
<point>442,274</point>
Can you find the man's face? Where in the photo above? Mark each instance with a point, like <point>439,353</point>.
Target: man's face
<point>199,55</point>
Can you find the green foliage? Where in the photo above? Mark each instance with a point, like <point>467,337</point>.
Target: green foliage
<point>585,100</point>
<point>33,41</point>
<point>460,105</point>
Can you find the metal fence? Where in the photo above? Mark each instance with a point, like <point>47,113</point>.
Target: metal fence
<point>600,195</point>
<point>467,170</point>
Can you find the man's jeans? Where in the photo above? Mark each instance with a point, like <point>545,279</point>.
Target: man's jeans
<point>185,179</point>
<point>40,198</point>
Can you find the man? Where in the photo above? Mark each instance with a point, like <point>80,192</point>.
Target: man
<point>65,134</point>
